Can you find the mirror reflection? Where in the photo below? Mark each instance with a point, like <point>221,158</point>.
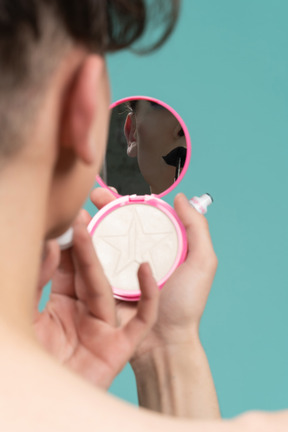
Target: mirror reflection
<point>147,148</point>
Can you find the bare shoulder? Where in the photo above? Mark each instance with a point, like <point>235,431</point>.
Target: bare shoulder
<point>263,421</point>
<point>38,394</point>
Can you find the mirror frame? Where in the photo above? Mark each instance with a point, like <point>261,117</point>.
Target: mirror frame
<point>99,179</point>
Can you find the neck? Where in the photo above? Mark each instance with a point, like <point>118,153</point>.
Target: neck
<point>22,225</point>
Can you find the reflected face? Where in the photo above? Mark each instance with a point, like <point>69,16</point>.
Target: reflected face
<point>153,133</point>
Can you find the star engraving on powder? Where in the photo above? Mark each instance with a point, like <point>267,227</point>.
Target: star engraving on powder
<point>135,245</point>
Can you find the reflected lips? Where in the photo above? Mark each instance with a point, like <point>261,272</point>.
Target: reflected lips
<point>176,158</point>
<point>173,157</point>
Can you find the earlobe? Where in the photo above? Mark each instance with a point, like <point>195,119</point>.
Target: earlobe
<point>130,134</point>
<point>81,109</point>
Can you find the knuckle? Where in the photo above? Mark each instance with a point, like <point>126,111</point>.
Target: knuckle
<point>213,260</point>
<point>201,220</point>
<point>80,233</point>
<point>154,317</point>
<point>205,222</point>
<point>209,261</point>
<point>150,318</point>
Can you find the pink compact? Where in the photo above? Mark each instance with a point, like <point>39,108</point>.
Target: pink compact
<point>148,153</point>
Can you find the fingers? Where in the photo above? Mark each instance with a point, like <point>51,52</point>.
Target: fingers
<point>100,197</point>
<point>198,235</point>
<point>84,217</point>
<point>140,325</point>
<point>92,285</point>
<point>51,259</point>
<point>63,282</point>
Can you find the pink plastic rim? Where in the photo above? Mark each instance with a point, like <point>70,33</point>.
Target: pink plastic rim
<point>186,133</point>
<point>170,213</point>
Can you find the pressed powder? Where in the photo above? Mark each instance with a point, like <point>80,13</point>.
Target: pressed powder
<point>132,230</point>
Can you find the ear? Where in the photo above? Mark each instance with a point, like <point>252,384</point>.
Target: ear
<point>130,134</point>
<point>81,109</point>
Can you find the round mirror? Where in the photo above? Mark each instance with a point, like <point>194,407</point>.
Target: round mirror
<point>148,149</point>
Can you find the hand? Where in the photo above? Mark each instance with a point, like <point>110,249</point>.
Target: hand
<point>184,296</point>
<point>79,324</point>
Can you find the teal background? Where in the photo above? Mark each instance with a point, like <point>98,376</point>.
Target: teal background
<point>225,70</point>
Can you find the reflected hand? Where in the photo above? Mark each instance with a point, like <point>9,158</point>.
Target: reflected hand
<point>79,324</point>
<point>184,296</point>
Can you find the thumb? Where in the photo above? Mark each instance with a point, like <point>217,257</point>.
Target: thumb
<point>200,248</point>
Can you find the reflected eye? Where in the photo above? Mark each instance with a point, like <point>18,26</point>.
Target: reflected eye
<point>181,132</point>
<point>155,105</point>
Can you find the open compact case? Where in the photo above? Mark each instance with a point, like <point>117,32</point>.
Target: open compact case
<point>148,153</point>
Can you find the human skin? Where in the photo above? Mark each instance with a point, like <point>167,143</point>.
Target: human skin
<point>79,324</point>
<point>174,336</point>
<point>152,132</point>
<point>81,305</point>
<point>170,365</point>
<point>38,393</point>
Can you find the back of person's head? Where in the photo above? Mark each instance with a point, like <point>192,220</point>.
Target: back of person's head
<point>34,35</point>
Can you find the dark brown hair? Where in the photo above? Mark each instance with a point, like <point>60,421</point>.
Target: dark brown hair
<point>34,34</point>
<point>100,25</point>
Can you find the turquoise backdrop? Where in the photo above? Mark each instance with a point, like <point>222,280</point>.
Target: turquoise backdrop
<point>225,70</point>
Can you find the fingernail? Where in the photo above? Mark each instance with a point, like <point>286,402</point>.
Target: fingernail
<point>143,265</point>
<point>80,219</point>
<point>183,197</point>
<point>113,189</point>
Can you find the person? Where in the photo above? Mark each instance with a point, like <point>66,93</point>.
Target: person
<point>154,137</point>
<point>53,138</point>
<point>153,134</point>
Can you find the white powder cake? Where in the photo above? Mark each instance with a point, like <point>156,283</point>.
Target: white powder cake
<point>131,235</point>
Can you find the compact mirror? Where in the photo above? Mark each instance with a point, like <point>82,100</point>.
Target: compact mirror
<point>148,149</point>
<point>147,155</point>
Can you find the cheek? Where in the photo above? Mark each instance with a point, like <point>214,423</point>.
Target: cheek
<point>150,135</point>
<point>157,134</point>
<point>101,126</point>
<point>67,197</point>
